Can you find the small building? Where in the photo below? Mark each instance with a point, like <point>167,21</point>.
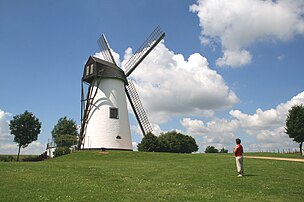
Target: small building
<point>50,149</point>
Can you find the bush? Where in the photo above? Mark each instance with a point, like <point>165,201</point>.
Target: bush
<point>223,150</point>
<point>60,151</point>
<point>168,142</point>
<point>176,143</point>
<point>211,149</point>
<point>41,157</point>
<point>7,158</point>
<point>149,143</point>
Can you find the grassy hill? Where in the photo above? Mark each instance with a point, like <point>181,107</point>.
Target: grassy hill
<point>139,176</point>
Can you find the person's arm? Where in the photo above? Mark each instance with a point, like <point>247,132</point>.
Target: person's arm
<point>235,149</point>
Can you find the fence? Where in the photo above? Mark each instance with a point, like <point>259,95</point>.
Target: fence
<point>281,151</point>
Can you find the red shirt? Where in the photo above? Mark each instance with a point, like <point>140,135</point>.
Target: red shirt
<point>238,150</point>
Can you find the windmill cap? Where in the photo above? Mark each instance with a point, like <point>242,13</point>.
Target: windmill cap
<point>101,68</point>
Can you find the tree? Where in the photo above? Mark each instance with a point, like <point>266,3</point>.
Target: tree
<point>65,132</point>
<point>60,151</point>
<point>295,125</point>
<point>223,150</point>
<point>149,143</point>
<point>211,149</point>
<point>176,142</point>
<point>26,128</point>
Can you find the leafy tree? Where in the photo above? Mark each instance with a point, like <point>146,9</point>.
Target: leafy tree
<point>65,132</point>
<point>223,150</point>
<point>211,149</point>
<point>295,124</point>
<point>176,143</point>
<point>60,151</point>
<point>26,128</point>
<point>149,143</point>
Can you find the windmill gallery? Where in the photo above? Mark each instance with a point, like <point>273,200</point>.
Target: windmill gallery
<point>105,86</point>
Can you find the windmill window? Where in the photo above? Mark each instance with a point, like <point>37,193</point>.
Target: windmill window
<point>113,113</point>
<point>91,69</point>
<point>88,70</point>
<point>118,138</point>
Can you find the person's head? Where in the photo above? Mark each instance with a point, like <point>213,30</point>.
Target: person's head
<point>238,141</point>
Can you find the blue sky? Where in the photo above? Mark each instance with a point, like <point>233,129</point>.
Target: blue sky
<point>224,70</point>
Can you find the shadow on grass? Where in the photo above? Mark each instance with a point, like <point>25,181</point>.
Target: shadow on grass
<point>250,175</point>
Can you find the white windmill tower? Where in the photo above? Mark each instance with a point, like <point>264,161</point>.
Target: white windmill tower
<point>104,114</point>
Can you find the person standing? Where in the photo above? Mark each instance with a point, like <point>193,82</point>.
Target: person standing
<point>238,152</point>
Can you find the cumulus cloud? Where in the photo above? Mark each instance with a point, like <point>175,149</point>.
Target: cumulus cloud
<point>268,119</point>
<point>266,127</point>
<point>4,128</point>
<point>217,132</point>
<point>171,85</point>
<point>238,25</point>
<point>134,146</point>
<point>115,55</point>
<point>7,144</point>
<point>234,58</point>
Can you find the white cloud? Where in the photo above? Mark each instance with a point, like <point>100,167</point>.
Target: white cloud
<point>234,58</point>
<point>115,56</point>
<point>218,132</point>
<point>239,24</point>
<point>169,85</point>
<point>7,144</point>
<point>134,146</point>
<point>35,147</point>
<point>156,129</point>
<point>4,128</point>
<point>268,119</point>
<point>266,127</point>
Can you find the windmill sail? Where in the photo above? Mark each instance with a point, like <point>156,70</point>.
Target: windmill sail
<point>105,49</point>
<point>138,108</point>
<point>155,37</point>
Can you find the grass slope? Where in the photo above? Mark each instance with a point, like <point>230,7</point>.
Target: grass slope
<point>139,176</point>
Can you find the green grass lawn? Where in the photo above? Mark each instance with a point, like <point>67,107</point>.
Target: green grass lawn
<point>281,155</point>
<point>139,176</point>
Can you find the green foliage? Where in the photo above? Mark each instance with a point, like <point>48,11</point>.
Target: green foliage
<point>65,132</point>
<point>60,151</point>
<point>295,124</point>
<point>149,143</point>
<point>168,142</point>
<point>211,149</point>
<point>8,158</point>
<point>25,127</point>
<point>223,150</point>
<point>41,157</point>
<point>176,142</point>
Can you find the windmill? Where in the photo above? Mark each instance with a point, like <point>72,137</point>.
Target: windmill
<point>104,114</point>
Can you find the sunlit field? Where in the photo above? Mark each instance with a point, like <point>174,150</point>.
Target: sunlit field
<point>139,176</point>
